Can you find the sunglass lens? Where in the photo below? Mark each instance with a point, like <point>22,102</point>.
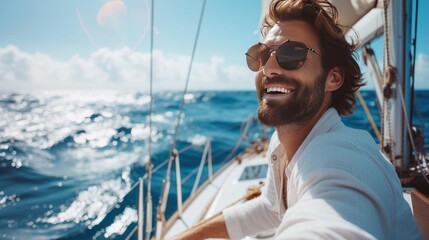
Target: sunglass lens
<point>257,56</point>
<point>291,55</point>
<point>253,56</point>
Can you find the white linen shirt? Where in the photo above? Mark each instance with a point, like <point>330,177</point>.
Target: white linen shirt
<point>339,186</point>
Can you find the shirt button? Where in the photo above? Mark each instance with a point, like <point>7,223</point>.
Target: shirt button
<point>274,157</point>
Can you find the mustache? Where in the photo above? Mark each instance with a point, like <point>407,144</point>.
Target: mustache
<point>279,79</point>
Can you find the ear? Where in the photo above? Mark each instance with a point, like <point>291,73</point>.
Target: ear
<point>334,80</point>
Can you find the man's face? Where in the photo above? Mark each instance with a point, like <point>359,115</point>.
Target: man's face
<point>290,96</point>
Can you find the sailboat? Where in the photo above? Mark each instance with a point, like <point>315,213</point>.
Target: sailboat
<point>242,178</point>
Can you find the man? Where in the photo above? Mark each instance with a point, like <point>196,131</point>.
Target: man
<point>326,181</point>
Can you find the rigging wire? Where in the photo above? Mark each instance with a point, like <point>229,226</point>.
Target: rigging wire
<point>413,75</point>
<point>150,86</point>
<point>149,165</point>
<point>185,91</point>
<point>160,212</point>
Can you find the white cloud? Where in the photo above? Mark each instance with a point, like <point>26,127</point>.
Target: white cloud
<point>121,69</point>
<point>422,71</point>
<point>125,69</point>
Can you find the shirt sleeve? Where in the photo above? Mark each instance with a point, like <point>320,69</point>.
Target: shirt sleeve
<point>257,215</point>
<point>250,218</point>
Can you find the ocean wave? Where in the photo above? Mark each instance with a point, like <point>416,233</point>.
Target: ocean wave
<point>92,204</point>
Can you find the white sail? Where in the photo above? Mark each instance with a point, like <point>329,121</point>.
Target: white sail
<point>353,11</point>
<point>368,27</point>
<point>365,16</point>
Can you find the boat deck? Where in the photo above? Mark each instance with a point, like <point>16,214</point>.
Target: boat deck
<point>228,188</point>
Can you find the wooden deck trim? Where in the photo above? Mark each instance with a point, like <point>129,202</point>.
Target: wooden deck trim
<point>420,204</point>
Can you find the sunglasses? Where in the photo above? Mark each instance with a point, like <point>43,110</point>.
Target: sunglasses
<point>290,55</point>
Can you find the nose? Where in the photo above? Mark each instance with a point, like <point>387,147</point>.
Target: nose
<point>271,67</point>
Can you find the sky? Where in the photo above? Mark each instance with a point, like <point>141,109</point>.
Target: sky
<point>105,45</point>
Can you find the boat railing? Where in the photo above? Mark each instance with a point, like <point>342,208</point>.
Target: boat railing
<point>206,156</point>
<point>206,159</point>
<point>174,156</point>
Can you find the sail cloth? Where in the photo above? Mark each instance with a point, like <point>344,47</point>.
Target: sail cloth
<point>351,11</point>
<point>367,28</point>
<point>364,16</point>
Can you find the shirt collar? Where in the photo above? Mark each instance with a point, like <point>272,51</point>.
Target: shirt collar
<point>328,120</point>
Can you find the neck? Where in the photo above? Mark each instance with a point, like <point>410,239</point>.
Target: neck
<point>292,135</point>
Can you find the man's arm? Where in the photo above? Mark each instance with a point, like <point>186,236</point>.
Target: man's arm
<point>213,228</point>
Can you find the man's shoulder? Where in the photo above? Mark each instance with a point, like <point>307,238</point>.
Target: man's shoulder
<point>345,145</point>
<point>343,137</point>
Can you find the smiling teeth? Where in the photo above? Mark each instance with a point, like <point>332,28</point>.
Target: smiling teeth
<point>277,89</point>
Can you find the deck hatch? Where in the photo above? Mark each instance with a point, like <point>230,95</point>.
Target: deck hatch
<point>254,172</point>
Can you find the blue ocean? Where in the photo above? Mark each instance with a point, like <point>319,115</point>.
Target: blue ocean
<point>69,160</point>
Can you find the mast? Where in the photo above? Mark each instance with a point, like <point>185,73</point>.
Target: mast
<point>397,86</point>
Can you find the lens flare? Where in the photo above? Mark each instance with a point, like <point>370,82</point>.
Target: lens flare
<point>115,23</point>
<point>112,14</point>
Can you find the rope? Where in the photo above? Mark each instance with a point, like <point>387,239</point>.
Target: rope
<point>368,114</point>
<point>386,105</point>
<point>386,34</point>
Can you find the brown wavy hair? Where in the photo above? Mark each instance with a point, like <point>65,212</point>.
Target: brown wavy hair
<point>335,50</point>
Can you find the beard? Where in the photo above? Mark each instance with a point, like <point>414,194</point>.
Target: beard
<point>304,103</point>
